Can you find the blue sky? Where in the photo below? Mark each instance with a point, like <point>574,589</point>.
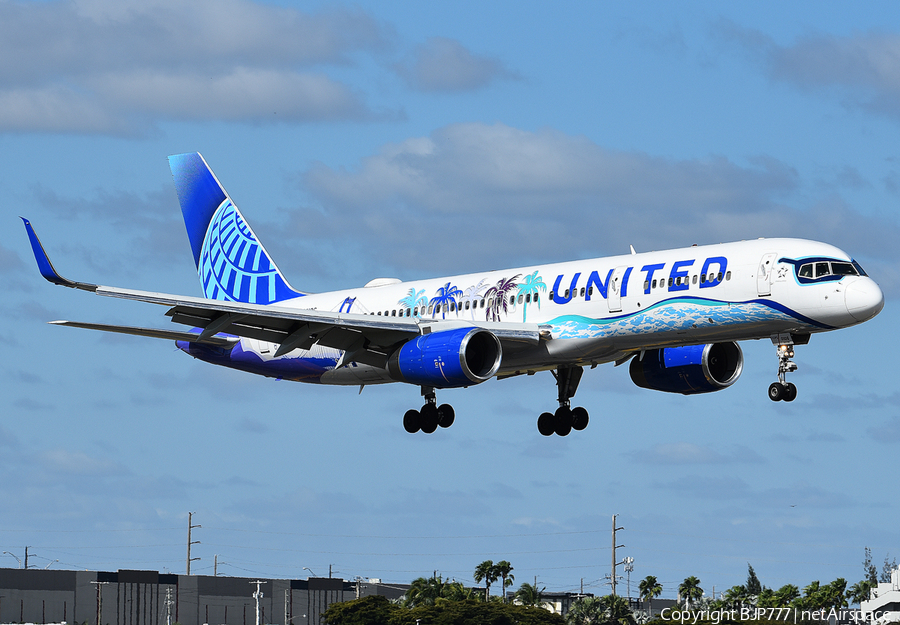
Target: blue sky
<point>412,140</point>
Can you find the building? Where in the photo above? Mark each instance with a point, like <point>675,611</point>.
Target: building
<point>151,598</point>
<point>883,605</point>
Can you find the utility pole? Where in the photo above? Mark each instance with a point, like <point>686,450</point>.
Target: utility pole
<point>189,543</point>
<point>614,547</point>
<point>99,601</point>
<point>216,565</point>
<point>26,556</point>
<point>257,595</point>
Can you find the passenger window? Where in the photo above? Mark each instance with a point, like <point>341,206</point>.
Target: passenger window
<point>535,297</point>
<point>591,291</point>
<point>566,294</point>
<point>806,271</point>
<point>467,305</point>
<point>393,313</point>
<point>647,284</point>
<point>482,303</point>
<point>379,313</point>
<point>654,283</point>
<point>719,276</point>
<point>728,275</point>
<point>695,279</point>
<point>528,298</point>
<point>670,281</point>
<point>703,279</point>
<point>512,299</point>
<point>582,291</point>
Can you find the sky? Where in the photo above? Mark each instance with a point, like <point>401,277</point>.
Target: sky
<point>414,140</point>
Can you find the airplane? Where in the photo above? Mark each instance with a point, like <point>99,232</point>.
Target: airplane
<point>675,316</point>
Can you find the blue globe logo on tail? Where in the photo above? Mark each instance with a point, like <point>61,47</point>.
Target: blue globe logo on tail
<point>234,266</point>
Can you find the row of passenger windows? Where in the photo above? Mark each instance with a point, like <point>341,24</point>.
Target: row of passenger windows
<point>701,279</point>
<point>454,307</point>
<point>821,269</point>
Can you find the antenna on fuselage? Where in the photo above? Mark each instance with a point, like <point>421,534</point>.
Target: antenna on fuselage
<point>632,250</point>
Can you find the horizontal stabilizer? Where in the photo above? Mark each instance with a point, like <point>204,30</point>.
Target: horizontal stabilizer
<point>172,335</point>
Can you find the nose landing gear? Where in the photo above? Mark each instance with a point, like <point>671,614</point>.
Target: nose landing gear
<point>782,390</point>
<point>566,418</point>
<point>430,416</point>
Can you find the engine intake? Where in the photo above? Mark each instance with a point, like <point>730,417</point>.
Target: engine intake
<point>689,370</point>
<point>448,359</point>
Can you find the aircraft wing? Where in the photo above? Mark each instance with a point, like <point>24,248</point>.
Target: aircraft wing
<point>368,339</point>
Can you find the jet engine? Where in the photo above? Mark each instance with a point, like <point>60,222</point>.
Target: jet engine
<point>688,370</point>
<point>447,359</point>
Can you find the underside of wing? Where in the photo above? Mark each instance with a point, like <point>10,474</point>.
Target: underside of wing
<point>171,335</point>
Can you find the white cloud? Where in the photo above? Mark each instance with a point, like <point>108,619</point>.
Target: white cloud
<point>474,195</point>
<point>98,66</point>
<point>864,67</point>
<point>445,65</point>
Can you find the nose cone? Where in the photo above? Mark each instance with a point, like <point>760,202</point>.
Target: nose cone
<point>864,299</point>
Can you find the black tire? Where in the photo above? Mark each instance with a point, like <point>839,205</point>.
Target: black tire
<point>790,392</point>
<point>776,391</point>
<point>546,424</point>
<point>429,415</point>
<point>411,421</point>
<point>563,418</point>
<point>446,415</point>
<point>579,418</point>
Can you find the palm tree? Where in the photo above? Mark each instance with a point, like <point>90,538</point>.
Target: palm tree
<point>859,592</point>
<point>445,296</point>
<point>503,569</point>
<point>424,591</point>
<point>649,588</point>
<point>690,590</point>
<point>586,611</point>
<point>529,595</point>
<point>530,286</point>
<point>497,297</point>
<point>485,571</point>
<point>473,294</point>
<point>414,298</point>
<point>617,610</point>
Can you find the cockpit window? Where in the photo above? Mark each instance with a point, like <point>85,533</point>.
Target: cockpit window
<point>859,269</point>
<point>822,270</point>
<point>843,269</point>
<point>806,271</point>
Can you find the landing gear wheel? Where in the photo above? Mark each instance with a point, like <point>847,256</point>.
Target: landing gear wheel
<point>430,417</point>
<point>563,418</point>
<point>579,418</point>
<point>776,391</point>
<point>546,424</point>
<point>446,415</point>
<point>411,421</point>
<point>790,392</point>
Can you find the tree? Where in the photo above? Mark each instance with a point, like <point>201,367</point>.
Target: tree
<point>860,591</point>
<point>689,590</point>
<point>886,570</point>
<point>372,610</point>
<point>423,591</point>
<point>586,611</point>
<point>752,585</point>
<point>530,595</point>
<point>617,610</point>
<point>869,571</point>
<point>735,597</point>
<point>503,570</point>
<point>649,588</point>
<point>485,571</point>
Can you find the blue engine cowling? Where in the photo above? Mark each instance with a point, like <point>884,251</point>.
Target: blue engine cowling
<point>448,359</point>
<point>688,370</point>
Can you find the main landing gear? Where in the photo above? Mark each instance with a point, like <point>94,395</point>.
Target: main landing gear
<point>565,419</point>
<point>430,416</point>
<point>781,390</point>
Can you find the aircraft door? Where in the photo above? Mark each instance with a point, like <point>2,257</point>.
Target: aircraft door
<point>614,292</point>
<point>764,274</point>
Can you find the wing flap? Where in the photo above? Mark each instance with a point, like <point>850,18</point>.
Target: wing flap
<point>172,335</point>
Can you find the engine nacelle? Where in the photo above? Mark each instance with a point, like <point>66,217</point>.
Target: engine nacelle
<point>448,359</point>
<point>689,370</point>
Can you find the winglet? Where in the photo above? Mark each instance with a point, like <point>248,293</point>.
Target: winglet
<point>46,267</point>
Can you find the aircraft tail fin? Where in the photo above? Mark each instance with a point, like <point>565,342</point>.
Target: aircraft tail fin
<point>232,263</point>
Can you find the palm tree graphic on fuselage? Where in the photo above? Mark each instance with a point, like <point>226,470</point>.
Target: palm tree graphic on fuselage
<point>529,288</point>
<point>414,298</point>
<point>496,296</point>
<point>473,295</point>
<point>445,296</point>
